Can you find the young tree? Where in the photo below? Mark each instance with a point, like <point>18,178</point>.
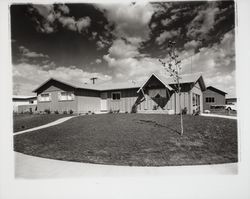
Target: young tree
<point>173,67</point>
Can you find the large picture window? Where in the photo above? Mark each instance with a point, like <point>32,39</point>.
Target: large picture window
<point>116,96</point>
<point>44,97</point>
<point>209,99</point>
<point>65,96</point>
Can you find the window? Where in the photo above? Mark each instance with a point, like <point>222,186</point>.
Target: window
<point>64,96</point>
<point>196,99</point>
<point>45,97</point>
<point>116,96</point>
<point>209,99</point>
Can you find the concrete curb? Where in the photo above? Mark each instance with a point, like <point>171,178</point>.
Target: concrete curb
<point>59,121</point>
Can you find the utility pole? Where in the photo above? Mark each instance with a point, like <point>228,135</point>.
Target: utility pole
<point>93,79</point>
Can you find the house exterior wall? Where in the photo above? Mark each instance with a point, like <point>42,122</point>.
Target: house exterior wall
<point>168,102</point>
<point>219,99</point>
<point>196,90</point>
<point>27,108</point>
<point>20,102</point>
<point>55,104</point>
<point>126,102</point>
<point>88,101</point>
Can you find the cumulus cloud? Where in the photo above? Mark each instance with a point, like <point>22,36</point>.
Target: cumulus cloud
<point>203,23</point>
<point>52,13</point>
<point>167,35</point>
<point>27,77</point>
<point>83,23</point>
<point>168,21</point>
<point>130,20</point>
<point>28,54</point>
<point>120,49</point>
<point>98,61</point>
<point>192,44</point>
<point>217,63</point>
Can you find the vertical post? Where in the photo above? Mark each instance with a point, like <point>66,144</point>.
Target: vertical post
<point>179,91</point>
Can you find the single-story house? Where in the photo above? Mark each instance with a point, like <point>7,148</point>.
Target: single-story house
<point>23,104</point>
<point>213,96</point>
<point>156,93</point>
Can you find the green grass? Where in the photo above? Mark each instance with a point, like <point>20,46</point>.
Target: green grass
<point>27,121</point>
<point>135,140</point>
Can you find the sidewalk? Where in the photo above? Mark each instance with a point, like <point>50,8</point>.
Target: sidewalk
<point>34,167</point>
<point>221,116</point>
<point>59,121</point>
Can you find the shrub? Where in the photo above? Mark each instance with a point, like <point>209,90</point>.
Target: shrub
<point>65,112</point>
<point>110,111</point>
<point>134,109</point>
<point>155,107</point>
<point>47,111</point>
<point>184,111</point>
<point>71,111</point>
<point>56,112</point>
<point>126,112</point>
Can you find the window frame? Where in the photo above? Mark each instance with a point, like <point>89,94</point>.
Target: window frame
<point>209,99</point>
<point>118,92</point>
<point>72,96</point>
<point>41,97</point>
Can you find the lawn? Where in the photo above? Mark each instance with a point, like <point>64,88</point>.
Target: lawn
<point>135,140</point>
<point>27,121</point>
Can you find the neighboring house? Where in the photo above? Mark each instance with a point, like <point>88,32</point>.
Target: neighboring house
<point>23,104</point>
<point>231,101</point>
<point>157,93</point>
<point>213,96</point>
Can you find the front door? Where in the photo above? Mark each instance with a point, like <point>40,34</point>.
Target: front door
<point>104,102</point>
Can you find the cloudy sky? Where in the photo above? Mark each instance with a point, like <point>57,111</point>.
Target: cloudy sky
<point>121,42</point>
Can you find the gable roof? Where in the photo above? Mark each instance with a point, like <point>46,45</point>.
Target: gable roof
<point>97,87</point>
<point>160,79</point>
<point>190,78</point>
<point>216,90</point>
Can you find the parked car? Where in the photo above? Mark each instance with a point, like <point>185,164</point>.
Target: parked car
<point>230,107</point>
<point>227,107</point>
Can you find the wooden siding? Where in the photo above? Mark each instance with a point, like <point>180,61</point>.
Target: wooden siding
<point>88,100</point>
<point>125,104</point>
<point>196,90</point>
<point>219,99</point>
<point>55,104</point>
<point>27,108</point>
<point>88,104</point>
<point>54,86</point>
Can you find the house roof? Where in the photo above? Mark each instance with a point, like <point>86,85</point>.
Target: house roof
<point>160,79</point>
<point>23,97</point>
<point>97,87</point>
<point>190,78</point>
<point>216,90</point>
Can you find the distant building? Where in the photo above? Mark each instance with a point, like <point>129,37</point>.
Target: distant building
<point>24,103</point>
<point>231,100</point>
<point>213,96</point>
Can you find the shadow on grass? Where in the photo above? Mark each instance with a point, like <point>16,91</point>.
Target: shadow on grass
<point>160,125</point>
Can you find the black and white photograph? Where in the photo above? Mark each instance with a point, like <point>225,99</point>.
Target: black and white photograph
<point>118,89</point>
